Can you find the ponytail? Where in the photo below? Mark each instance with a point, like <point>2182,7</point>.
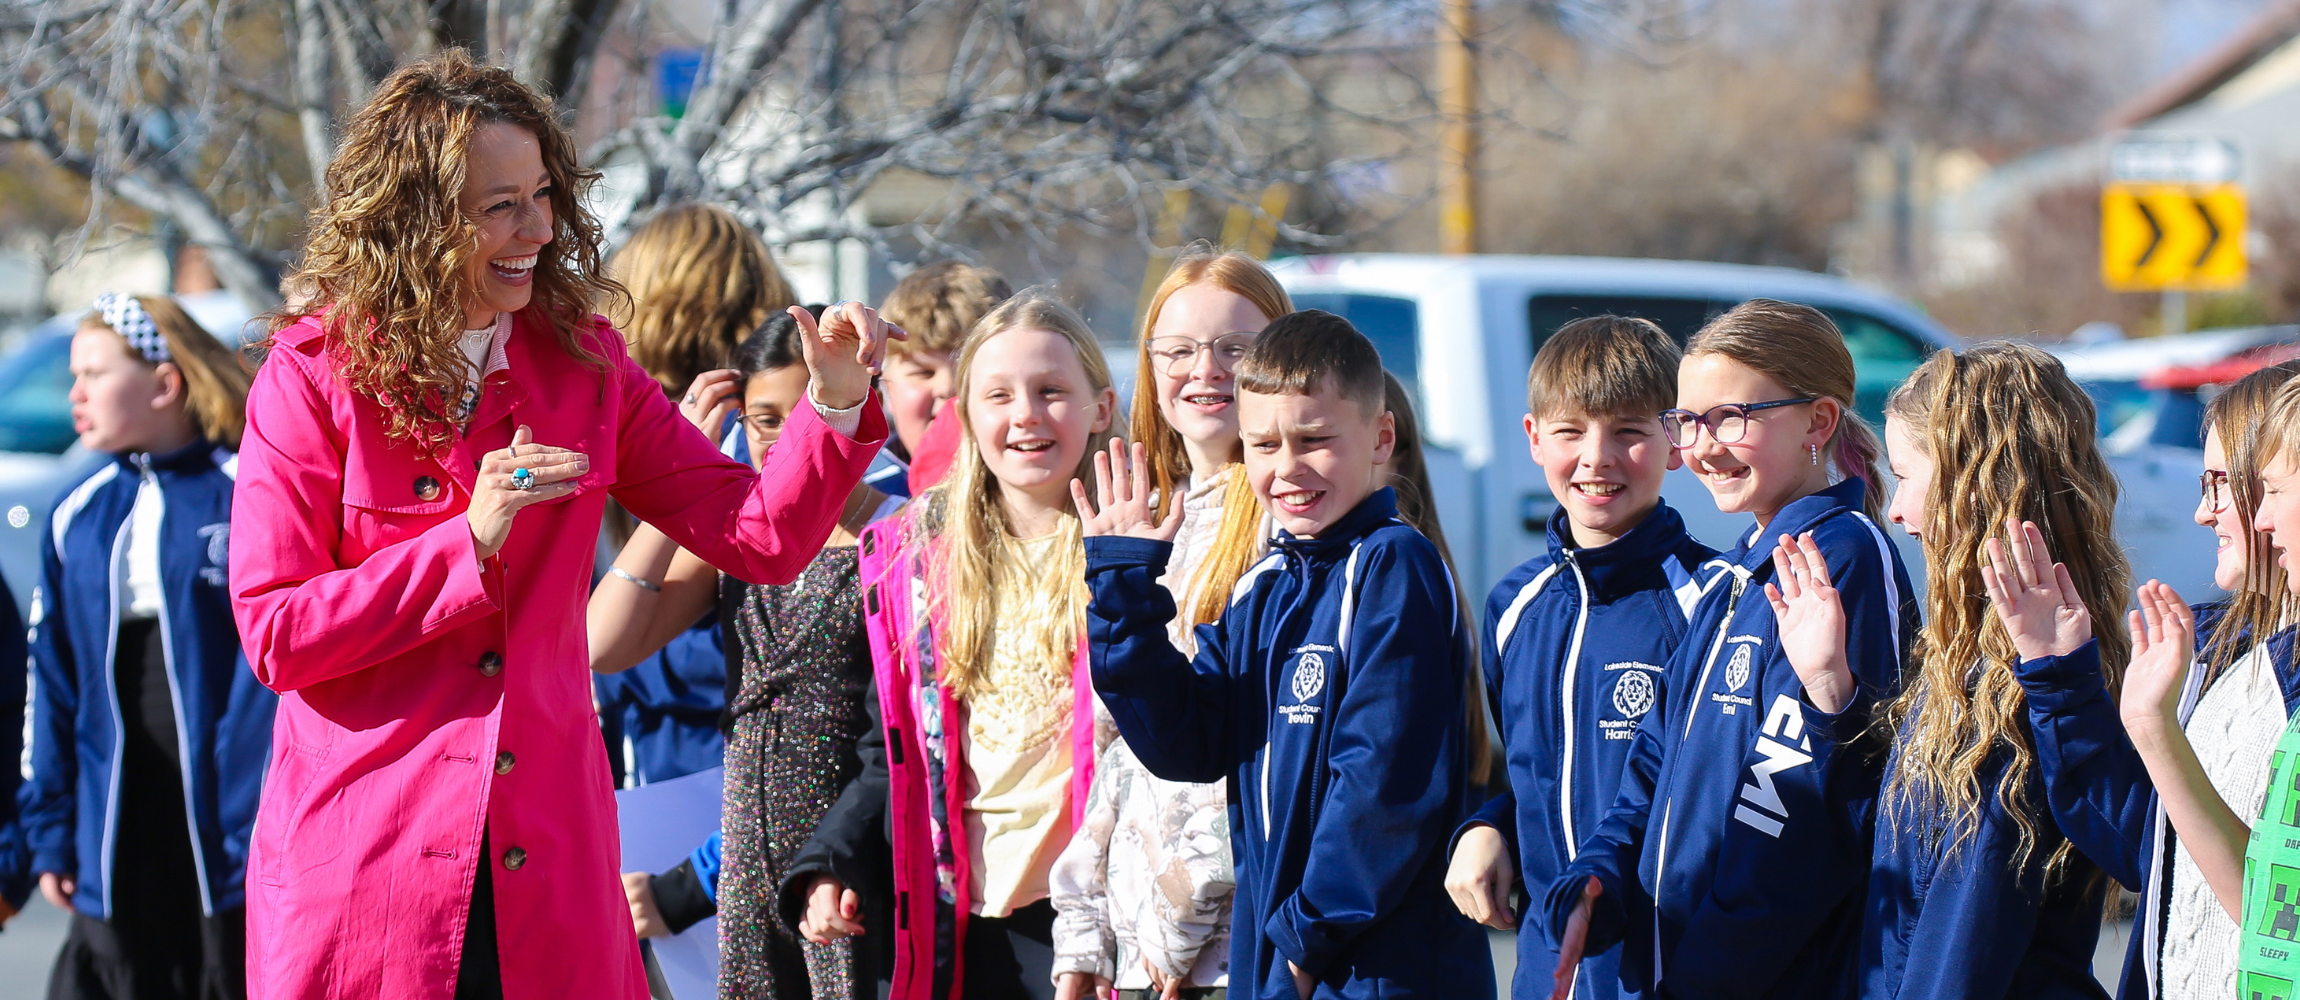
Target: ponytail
<point>1855,451</point>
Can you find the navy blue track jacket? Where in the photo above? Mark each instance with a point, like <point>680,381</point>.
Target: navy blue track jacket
<point>1331,695</point>
<point>1967,922</point>
<point>71,810</point>
<point>2100,792</point>
<point>1736,856</point>
<point>1574,646</point>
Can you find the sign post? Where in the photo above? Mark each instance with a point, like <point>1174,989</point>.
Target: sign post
<point>2172,221</point>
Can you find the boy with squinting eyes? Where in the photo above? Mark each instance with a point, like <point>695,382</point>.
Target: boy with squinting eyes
<point>1330,693</point>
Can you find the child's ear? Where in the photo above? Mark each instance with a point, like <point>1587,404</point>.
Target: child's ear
<point>1532,438</point>
<point>171,385</point>
<point>1385,437</point>
<point>1105,408</point>
<point>1826,414</point>
<point>1676,457</point>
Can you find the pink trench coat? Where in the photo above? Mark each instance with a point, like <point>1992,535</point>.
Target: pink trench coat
<point>427,696</point>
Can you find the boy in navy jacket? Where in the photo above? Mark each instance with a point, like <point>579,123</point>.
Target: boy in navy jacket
<point>1575,638</point>
<point>1330,694</point>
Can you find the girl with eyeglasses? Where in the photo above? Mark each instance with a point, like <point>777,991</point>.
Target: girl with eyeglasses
<point>1142,894</point>
<point>1735,856</point>
<point>2196,770</point>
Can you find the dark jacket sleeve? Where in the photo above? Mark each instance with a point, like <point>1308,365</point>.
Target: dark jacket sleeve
<point>1175,712</point>
<point>47,798</point>
<point>851,843</point>
<point>2094,782</point>
<point>1500,810</point>
<point>1390,800</point>
<point>15,659</point>
<point>1777,886</point>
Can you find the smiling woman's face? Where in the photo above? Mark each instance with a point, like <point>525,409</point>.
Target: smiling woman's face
<point>507,196</point>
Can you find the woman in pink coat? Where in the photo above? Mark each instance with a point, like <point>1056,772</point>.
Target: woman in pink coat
<point>429,448</point>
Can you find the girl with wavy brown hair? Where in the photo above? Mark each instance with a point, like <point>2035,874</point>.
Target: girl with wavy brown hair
<point>430,445</point>
<point>1974,888</point>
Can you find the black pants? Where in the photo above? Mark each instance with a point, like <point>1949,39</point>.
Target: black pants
<point>1011,957</point>
<point>480,975</point>
<point>157,943</point>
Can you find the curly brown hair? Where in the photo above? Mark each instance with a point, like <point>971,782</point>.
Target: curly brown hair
<point>385,257</point>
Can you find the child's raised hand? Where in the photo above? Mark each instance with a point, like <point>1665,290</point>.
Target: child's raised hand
<point>1812,622</point>
<point>1123,486</point>
<point>2163,645</point>
<point>844,351</point>
<point>2033,596</point>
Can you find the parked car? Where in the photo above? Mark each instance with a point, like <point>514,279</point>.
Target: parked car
<point>39,454</point>
<point>1460,332</point>
<point>2151,394</point>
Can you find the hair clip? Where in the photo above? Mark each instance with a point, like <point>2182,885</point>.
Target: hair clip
<point>127,317</point>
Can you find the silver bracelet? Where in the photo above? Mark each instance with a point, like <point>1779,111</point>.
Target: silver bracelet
<point>642,584</point>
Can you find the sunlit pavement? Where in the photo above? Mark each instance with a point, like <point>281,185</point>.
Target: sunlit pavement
<point>28,949</point>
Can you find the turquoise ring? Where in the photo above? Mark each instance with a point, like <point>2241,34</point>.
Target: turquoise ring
<point>522,479</point>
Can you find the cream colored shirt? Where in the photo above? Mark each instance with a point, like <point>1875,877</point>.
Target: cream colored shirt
<point>2233,728</point>
<point>1017,745</point>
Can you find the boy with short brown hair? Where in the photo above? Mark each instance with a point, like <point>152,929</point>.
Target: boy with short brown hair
<point>1331,692</point>
<point>1575,638</point>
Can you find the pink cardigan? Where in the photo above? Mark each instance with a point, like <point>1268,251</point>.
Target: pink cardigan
<point>429,697</point>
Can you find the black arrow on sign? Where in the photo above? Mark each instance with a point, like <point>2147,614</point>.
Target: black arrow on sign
<point>2155,234</point>
<point>2210,227</point>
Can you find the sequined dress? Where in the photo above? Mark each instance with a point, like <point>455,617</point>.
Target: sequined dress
<point>798,711</point>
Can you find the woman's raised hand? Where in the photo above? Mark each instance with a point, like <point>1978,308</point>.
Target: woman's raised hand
<point>2034,596</point>
<point>2163,644</point>
<point>495,498</point>
<point>709,399</point>
<point>1124,489</point>
<point>844,351</point>
<point>1811,620</point>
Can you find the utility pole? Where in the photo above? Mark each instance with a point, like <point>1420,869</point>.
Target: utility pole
<point>1457,103</point>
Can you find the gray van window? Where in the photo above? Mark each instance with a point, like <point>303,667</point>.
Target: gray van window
<point>1679,318</point>
<point>1390,322</point>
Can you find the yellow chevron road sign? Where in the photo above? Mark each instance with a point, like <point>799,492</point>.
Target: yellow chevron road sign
<point>2172,237</point>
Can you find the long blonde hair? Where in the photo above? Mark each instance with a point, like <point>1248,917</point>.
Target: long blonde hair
<point>964,528</point>
<point>2262,604</point>
<point>215,381</point>
<point>700,281</point>
<point>387,249</point>
<point>1800,348</point>
<point>2009,436</point>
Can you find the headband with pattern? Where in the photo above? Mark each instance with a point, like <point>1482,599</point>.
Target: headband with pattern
<point>127,317</point>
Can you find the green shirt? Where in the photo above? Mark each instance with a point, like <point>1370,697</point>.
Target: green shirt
<point>2269,962</point>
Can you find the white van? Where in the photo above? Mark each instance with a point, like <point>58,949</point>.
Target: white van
<point>1460,332</point>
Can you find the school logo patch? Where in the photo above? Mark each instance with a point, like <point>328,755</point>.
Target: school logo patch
<point>1633,693</point>
<point>1737,669</point>
<point>1309,676</point>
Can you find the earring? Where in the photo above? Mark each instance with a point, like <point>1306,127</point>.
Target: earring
<point>1816,450</point>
